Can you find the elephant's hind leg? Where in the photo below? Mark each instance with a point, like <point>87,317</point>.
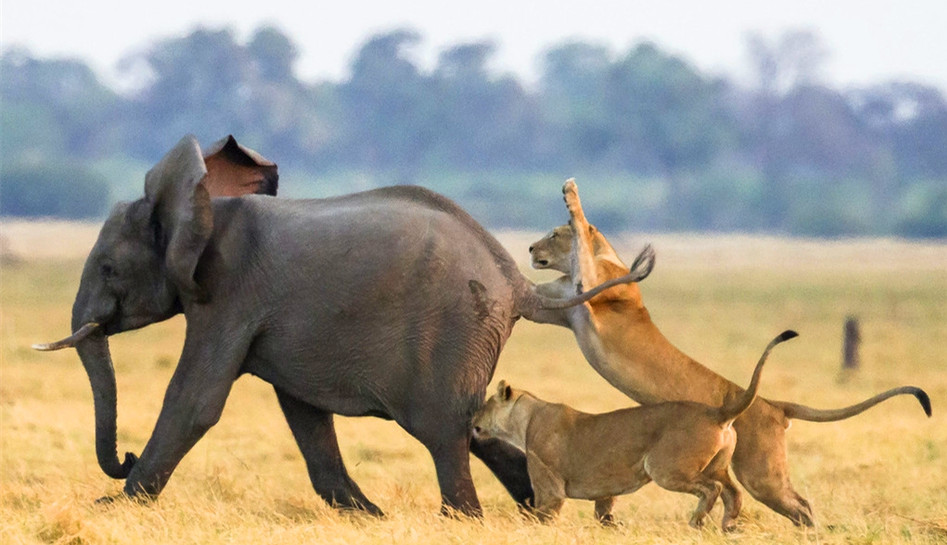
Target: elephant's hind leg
<point>446,435</point>
<point>451,454</point>
<point>314,431</point>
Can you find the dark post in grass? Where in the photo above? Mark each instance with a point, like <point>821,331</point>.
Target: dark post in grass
<point>852,338</point>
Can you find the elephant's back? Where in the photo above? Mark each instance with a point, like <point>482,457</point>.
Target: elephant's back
<point>401,211</point>
<point>405,229</point>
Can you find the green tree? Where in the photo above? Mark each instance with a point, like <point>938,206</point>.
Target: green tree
<point>386,105</point>
<point>573,87</point>
<point>481,121</point>
<point>199,85</point>
<point>52,188</point>
<point>274,55</point>
<point>55,107</point>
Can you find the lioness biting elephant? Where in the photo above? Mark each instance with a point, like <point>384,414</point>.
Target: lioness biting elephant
<point>680,445</point>
<point>618,338</point>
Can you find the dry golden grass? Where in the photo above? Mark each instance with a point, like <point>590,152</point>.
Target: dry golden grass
<point>877,478</point>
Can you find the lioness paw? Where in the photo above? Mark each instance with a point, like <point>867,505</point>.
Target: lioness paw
<point>570,194</point>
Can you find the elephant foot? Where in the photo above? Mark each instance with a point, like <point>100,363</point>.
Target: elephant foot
<point>123,496</point>
<point>463,513</point>
<point>608,521</point>
<point>361,507</point>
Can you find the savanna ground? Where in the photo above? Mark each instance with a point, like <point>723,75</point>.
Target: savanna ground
<point>878,478</point>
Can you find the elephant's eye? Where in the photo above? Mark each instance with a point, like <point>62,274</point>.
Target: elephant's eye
<point>108,271</point>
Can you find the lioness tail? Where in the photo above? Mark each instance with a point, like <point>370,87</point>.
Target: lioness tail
<point>730,411</point>
<point>802,412</point>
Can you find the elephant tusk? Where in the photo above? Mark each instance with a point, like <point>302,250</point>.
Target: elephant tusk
<point>69,341</point>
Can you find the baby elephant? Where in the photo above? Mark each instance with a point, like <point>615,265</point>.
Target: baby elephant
<point>682,446</point>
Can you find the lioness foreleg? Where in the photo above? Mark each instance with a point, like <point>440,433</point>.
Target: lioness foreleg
<point>584,273</point>
<point>548,488</point>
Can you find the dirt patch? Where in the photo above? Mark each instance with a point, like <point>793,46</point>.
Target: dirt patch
<point>28,240</point>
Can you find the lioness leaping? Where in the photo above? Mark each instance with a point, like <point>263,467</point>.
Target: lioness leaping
<point>680,445</point>
<point>618,338</point>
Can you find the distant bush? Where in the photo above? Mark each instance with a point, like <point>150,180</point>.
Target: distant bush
<point>61,189</point>
<point>923,211</point>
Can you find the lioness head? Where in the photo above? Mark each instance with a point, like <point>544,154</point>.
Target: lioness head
<point>554,250</point>
<point>495,418</point>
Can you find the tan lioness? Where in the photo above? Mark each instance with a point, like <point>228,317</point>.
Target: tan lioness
<point>618,338</point>
<point>682,446</point>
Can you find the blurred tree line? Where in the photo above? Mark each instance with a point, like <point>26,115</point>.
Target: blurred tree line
<point>656,143</point>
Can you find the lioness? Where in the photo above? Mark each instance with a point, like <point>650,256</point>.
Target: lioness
<point>618,338</point>
<point>680,445</point>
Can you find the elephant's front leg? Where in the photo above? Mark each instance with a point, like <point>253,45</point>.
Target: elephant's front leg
<point>314,431</point>
<point>192,405</point>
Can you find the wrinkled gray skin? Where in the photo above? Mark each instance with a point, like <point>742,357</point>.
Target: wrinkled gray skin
<point>392,303</point>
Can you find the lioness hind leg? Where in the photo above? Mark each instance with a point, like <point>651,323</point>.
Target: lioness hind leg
<point>791,505</point>
<point>603,511</point>
<point>706,489</point>
<point>719,470</point>
<point>760,464</point>
<point>732,500</point>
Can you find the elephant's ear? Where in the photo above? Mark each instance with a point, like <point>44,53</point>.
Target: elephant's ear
<point>234,170</point>
<point>182,209</point>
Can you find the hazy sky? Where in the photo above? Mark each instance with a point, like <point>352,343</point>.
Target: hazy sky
<point>868,40</point>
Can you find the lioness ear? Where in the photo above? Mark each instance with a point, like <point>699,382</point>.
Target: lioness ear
<point>501,387</point>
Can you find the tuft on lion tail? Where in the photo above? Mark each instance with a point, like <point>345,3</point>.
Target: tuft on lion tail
<point>809,414</point>
<point>640,269</point>
<point>730,411</point>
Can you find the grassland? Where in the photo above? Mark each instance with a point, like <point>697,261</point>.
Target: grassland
<point>877,478</point>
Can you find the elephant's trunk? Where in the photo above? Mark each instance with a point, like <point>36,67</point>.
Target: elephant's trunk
<point>94,352</point>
